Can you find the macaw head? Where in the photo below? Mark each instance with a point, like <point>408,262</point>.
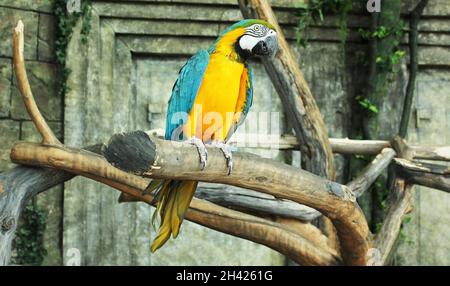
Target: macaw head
<point>247,38</point>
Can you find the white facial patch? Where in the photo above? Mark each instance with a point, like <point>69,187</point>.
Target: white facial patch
<point>250,39</point>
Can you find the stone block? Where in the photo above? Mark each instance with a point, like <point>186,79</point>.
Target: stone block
<point>9,18</point>
<point>9,131</point>
<point>36,5</point>
<point>5,87</point>
<point>46,38</point>
<point>43,81</point>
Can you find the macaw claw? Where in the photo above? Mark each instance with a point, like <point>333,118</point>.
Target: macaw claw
<point>201,149</point>
<point>227,153</point>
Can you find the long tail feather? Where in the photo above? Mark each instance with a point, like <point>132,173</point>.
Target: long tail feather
<point>173,200</point>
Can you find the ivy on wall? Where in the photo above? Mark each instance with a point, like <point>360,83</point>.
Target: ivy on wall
<point>29,240</point>
<point>65,23</point>
<point>315,12</point>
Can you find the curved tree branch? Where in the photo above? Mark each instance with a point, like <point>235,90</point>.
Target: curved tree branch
<point>48,137</point>
<point>149,156</point>
<point>94,166</point>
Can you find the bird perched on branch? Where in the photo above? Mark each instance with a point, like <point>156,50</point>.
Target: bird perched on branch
<point>210,99</point>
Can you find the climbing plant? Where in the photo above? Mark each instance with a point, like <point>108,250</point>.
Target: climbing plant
<point>29,240</point>
<point>65,23</point>
<point>315,12</point>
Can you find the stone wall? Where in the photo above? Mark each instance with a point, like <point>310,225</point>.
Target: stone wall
<point>121,80</point>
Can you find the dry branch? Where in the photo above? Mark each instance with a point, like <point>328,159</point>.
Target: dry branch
<point>149,156</point>
<point>390,230</point>
<point>259,230</point>
<point>424,174</point>
<point>368,176</point>
<point>409,152</point>
<point>24,87</point>
<point>248,200</point>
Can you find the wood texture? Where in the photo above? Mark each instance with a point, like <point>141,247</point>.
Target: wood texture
<point>371,172</point>
<point>180,161</point>
<point>424,174</point>
<point>401,205</point>
<point>18,185</point>
<point>94,166</point>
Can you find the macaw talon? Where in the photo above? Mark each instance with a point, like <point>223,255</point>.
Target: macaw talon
<point>227,153</point>
<point>201,149</point>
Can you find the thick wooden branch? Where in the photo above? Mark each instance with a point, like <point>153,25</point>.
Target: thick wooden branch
<point>368,176</point>
<point>248,200</point>
<point>401,206</point>
<point>424,174</point>
<point>295,96</point>
<point>149,156</point>
<point>261,231</point>
<point>16,187</point>
<point>409,152</point>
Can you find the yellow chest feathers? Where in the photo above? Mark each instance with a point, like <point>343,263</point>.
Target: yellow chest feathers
<point>217,99</point>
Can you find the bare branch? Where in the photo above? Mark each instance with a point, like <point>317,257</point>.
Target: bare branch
<point>248,200</point>
<point>156,158</point>
<point>94,166</point>
<point>371,172</point>
<point>48,137</point>
<point>409,152</point>
<point>390,230</point>
<point>424,174</point>
<point>360,147</point>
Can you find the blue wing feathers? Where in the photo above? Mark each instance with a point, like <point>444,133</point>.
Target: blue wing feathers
<point>185,90</point>
<point>249,92</point>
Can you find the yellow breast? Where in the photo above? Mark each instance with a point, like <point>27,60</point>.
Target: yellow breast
<point>215,105</point>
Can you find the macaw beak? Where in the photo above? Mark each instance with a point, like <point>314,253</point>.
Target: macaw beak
<point>267,47</point>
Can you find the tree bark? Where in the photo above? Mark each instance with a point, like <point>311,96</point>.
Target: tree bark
<point>171,160</point>
<point>16,187</point>
<point>259,230</point>
<point>368,176</point>
<point>424,174</point>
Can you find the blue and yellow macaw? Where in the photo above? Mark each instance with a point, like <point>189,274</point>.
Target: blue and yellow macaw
<point>210,99</point>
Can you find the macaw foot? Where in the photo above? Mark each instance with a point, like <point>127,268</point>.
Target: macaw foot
<point>201,149</point>
<point>227,153</point>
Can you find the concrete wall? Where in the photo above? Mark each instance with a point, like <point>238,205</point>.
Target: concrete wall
<point>132,57</point>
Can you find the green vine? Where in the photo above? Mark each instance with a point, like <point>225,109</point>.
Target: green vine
<point>314,13</point>
<point>65,23</point>
<point>29,240</point>
<point>387,63</point>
